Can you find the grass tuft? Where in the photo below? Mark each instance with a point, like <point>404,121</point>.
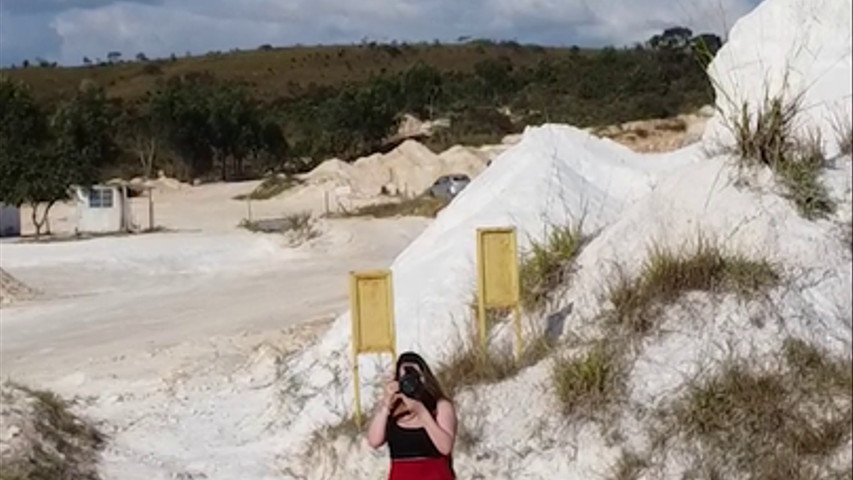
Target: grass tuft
<point>298,227</point>
<point>768,138</point>
<point>843,128</point>
<point>420,206</point>
<point>547,265</point>
<point>666,275</point>
<point>471,365</point>
<point>590,382</point>
<point>66,446</point>
<point>772,424</point>
<point>629,467</point>
<point>270,187</point>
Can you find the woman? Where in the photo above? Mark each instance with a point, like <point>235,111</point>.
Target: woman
<point>420,427</point>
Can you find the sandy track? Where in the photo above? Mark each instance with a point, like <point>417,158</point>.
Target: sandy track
<point>108,297</point>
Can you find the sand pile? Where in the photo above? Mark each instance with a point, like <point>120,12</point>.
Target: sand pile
<point>407,170</point>
<point>12,290</point>
<point>659,135</point>
<point>555,176</point>
<point>41,438</point>
<point>462,159</point>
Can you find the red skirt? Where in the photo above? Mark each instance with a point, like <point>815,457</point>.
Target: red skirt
<point>421,469</point>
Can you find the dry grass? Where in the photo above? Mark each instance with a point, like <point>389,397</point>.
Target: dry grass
<point>590,382</point>
<point>66,446</point>
<point>767,138</point>
<point>666,275</point>
<point>782,423</point>
<point>420,206</point>
<point>843,127</point>
<point>279,71</point>
<point>270,187</point>
<point>547,265</point>
<point>298,227</point>
<point>629,467</point>
<point>470,365</point>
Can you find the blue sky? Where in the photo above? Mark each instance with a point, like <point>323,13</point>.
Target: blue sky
<point>67,30</point>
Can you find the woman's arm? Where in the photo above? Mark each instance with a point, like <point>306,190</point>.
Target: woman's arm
<point>442,428</point>
<point>376,430</point>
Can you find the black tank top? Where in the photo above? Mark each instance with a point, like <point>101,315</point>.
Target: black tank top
<point>410,442</point>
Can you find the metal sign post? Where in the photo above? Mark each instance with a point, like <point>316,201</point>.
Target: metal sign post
<point>372,316</point>
<point>497,278</point>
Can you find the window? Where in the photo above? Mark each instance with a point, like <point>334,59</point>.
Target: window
<point>101,198</point>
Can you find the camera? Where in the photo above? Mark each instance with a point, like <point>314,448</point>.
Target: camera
<point>410,383</point>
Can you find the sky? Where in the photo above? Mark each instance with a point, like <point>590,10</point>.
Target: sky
<point>65,31</point>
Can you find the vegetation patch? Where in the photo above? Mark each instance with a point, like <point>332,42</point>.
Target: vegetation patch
<point>785,422</point>
<point>471,365</point>
<point>768,138</point>
<point>843,127</point>
<point>298,227</point>
<point>590,382</point>
<point>420,206</point>
<point>270,187</point>
<point>51,442</point>
<point>629,467</point>
<point>666,275</point>
<point>547,265</point>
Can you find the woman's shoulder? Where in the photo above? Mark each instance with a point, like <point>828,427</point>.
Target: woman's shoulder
<point>444,404</point>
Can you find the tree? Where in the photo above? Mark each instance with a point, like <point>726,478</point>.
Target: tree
<point>138,134</point>
<point>113,57</point>
<point>141,57</point>
<point>87,61</point>
<point>32,170</point>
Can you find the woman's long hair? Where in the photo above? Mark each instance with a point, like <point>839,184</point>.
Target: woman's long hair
<point>432,391</point>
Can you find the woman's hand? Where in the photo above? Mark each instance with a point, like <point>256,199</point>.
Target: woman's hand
<point>391,394</point>
<point>415,406</point>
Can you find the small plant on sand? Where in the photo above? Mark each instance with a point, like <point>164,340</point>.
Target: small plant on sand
<point>471,365</point>
<point>298,227</point>
<point>768,138</point>
<point>420,206</point>
<point>546,266</point>
<point>629,467</point>
<point>843,127</point>
<point>270,187</point>
<point>784,422</point>
<point>590,382</point>
<point>61,445</point>
<point>666,275</point>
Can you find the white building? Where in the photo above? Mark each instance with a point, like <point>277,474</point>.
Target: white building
<point>102,209</point>
<point>10,221</point>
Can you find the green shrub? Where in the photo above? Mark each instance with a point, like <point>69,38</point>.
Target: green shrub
<point>590,382</point>
<point>547,265</point>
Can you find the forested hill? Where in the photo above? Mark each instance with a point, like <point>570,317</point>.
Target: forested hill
<point>238,114</point>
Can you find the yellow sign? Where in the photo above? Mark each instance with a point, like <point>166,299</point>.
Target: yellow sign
<point>372,316</point>
<point>497,276</point>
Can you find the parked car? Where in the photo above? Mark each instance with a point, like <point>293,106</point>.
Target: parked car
<point>448,186</point>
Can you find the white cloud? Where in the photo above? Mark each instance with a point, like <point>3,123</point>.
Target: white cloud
<point>158,28</point>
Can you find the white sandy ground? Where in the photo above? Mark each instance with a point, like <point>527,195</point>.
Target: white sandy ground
<point>160,333</point>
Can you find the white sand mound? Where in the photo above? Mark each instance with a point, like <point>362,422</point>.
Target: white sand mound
<point>803,47</point>
<point>413,167</point>
<point>557,175</point>
<point>12,290</point>
<point>333,170</point>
